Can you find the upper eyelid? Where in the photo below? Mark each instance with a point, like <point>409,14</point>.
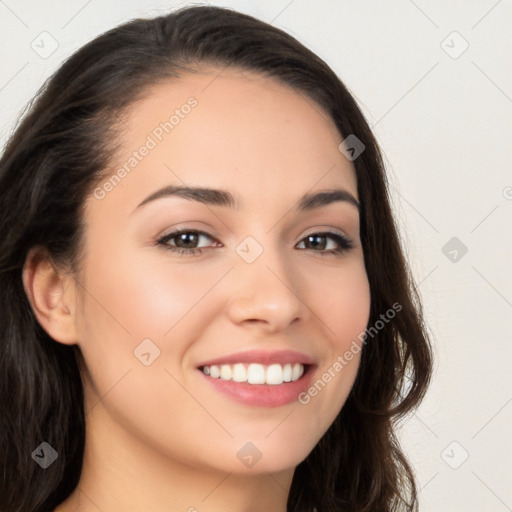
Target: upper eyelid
<point>327,231</point>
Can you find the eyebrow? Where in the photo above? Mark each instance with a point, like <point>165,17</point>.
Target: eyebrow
<point>215,197</point>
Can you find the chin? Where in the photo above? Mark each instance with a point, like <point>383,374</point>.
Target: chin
<point>257,455</point>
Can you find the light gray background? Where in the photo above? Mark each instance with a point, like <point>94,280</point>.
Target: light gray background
<point>443,119</point>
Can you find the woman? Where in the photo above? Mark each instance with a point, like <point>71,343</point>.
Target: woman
<point>205,305</point>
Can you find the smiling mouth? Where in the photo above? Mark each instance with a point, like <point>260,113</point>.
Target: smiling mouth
<point>254,373</point>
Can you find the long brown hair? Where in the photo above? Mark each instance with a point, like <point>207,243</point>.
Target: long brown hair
<point>53,162</point>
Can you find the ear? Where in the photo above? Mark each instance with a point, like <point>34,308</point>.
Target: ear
<point>52,295</point>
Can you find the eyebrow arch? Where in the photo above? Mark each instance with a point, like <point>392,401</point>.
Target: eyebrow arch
<point>223,198</point>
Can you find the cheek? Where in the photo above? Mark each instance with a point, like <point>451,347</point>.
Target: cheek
<point>148,296</point>
<point>132,299</point>
<point>349,309</point>
<point>344,308</point>
<point>127,301</point>
<point>341,299</point>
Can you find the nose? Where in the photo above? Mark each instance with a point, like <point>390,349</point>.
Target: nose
<point>266,295</point>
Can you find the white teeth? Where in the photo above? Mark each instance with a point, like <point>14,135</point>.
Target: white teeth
<point>254,373</point>
<point>275,374</point>
<point>225,372</point>
<point>287,373</point>
<point>239,373</point>
<point>297,371</point>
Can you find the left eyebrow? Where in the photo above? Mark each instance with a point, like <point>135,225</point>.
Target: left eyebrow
<point>224,198</point>
<point>318,199</point>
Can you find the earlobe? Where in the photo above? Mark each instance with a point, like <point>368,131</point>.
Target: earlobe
<point>50,294</point>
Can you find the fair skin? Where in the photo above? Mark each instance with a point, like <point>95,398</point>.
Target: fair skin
<point>161,437</point>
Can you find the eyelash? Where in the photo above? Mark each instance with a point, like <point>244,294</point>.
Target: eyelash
<point>344,244</point>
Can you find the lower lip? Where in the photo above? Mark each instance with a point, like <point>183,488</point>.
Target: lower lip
<point>262,395</point>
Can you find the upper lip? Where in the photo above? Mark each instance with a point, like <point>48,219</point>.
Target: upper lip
<point>265,357</point>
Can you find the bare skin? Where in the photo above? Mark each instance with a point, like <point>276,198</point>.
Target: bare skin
<point>160,437</point>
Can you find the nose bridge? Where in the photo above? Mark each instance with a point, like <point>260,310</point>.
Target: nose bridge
<point>265,289</point>
<point>265,260</point>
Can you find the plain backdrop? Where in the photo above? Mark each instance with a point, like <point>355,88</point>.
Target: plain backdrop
<point>434,81</point>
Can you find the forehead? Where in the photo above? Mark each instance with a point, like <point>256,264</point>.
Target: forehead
<point>235,130</point>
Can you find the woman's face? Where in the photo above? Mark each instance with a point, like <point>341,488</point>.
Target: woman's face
<point>260,280</point>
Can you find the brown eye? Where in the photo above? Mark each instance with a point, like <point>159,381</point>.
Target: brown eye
<point>316,242</point>
<point>186,241</point>
<point>326,243</point>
